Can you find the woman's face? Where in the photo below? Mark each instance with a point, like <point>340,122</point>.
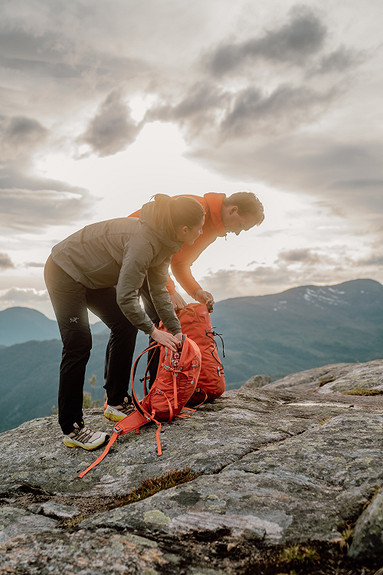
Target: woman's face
<point>189,235</point>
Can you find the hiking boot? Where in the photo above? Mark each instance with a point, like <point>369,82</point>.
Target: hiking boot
<point>85,438</point>
<point>118,412</point>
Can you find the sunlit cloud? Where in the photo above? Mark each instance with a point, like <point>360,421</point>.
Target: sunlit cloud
<point>23,209</point>
<point>102,108</point>
<point>291,269</point>
<point>23,297</point>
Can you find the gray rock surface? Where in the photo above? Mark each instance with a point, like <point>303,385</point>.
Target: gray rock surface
<point>293,462</point>
<point>346,378</point>
<point>368,534</point>
<point>17,521</point>
<point>58,511</point>
<point>257,381</point>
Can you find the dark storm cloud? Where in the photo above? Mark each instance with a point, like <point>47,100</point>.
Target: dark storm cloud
<point>195,110</point>
<point>37,54</point>
<point>293,43</point>
<point>287,104</point>
<point>201,97</point>
<point>207,109</point>
<point>21,129</point>
<point>27,202</point>
<point>339,60</point>
<point>112,129</point>
<point>5,262</point>
<point>225,110</point>
<point>249,112</point>
<point>30,204</point>
<point>34,264</point>
<point>306,256</point>
<point>345,177</point>
<point>58,56</point>
<point>372,260</point>
<point>20,135</point>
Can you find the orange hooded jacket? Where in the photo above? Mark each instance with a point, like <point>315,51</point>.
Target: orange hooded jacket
<point>183,260</point>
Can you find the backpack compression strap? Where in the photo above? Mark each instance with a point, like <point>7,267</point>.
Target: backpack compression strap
<point>103,455</point>
<point>131,422</point>
<point>117,429</point>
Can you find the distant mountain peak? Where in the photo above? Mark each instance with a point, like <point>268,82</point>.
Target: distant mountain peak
<point>21,310</point>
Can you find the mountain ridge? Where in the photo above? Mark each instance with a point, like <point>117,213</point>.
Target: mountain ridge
<point>299,329</point>
<point>13,318</point>
<point>21,324</point>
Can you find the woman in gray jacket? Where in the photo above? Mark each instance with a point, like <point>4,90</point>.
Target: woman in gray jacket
<point>102,268</point>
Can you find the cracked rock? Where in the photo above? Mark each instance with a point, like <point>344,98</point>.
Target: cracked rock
<point>368,534</point>
<point>15,521</point>
<point>271,466</point>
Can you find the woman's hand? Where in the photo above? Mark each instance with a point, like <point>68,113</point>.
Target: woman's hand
<point>167,339</point>
<point>177,301</point>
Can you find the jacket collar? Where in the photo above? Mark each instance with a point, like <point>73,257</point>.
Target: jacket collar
<point>214,203</point>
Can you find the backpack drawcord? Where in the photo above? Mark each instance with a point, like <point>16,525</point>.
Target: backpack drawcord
<point>211,334</point>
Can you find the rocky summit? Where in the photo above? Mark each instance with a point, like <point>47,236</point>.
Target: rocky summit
<point>275,477</point>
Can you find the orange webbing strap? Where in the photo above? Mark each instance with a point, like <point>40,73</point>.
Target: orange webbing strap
<point>175,371</point>
<point>159,448</point>
<point>170,408</point>
<point>175,391</point>
<point>183,415</point>
<point>104,454</point>
<point>204,399</point>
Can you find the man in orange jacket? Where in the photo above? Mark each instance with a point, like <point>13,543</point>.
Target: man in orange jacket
<point>239,212</point>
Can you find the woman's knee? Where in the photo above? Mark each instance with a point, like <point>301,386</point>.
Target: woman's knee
<point>77,342</point>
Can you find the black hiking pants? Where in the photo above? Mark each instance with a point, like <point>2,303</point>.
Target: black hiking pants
<point>153,355</point>
<point>71,301</point>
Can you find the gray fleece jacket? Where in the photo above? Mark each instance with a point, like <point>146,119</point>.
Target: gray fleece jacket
<point>121,252</point>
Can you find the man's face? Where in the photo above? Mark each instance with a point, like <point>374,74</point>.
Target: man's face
<point>234,223</point>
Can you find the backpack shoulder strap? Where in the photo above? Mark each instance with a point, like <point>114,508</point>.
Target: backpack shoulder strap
<point>136,401</point>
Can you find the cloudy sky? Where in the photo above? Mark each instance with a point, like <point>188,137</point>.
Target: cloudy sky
<point>107,102</point>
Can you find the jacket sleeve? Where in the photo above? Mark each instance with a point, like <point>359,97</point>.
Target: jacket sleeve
<point>157,282</point>
<point>183,260</point>
<point>136,262</point>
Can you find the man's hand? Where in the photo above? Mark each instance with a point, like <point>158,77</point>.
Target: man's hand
<point>204,297</point>
<point>167,339</point>
<point>177,301</point>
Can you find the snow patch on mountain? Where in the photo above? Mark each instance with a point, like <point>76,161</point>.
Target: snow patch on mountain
<point>325,296</point>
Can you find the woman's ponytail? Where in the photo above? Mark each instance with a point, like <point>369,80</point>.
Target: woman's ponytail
<point>162,213</point>
<point>170,213</point>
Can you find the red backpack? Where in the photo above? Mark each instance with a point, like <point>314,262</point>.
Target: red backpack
<point>174,385</point>
<point>196,324</point>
